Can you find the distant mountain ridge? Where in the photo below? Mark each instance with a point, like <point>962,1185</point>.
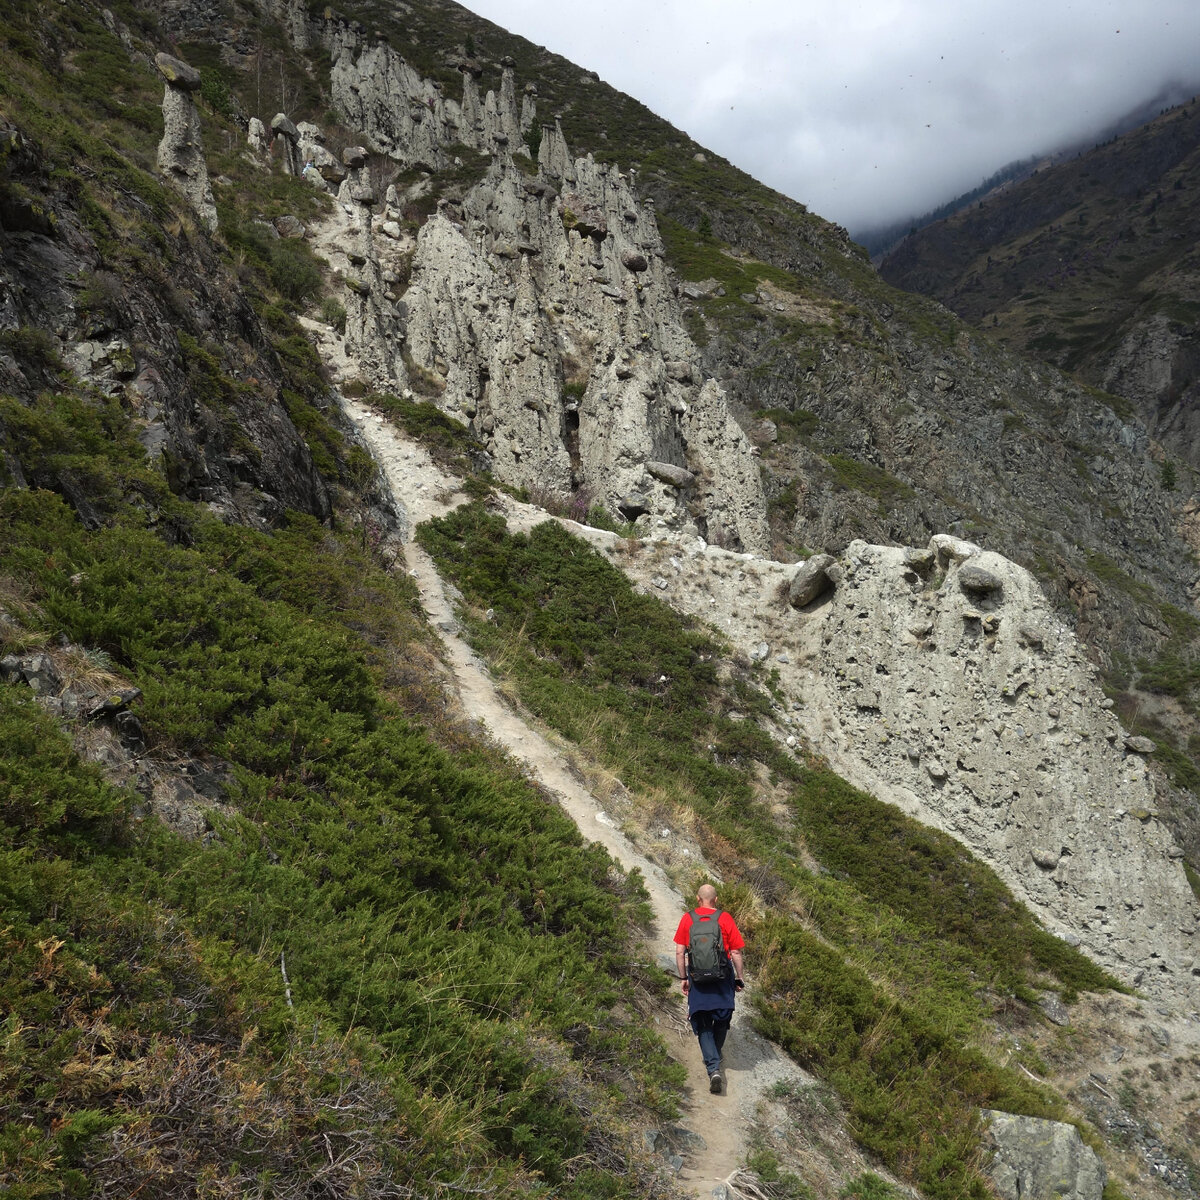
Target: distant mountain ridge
<point>1090,264</point>
<point>881,240</point>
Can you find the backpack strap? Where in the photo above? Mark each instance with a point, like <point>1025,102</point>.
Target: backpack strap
<point>715,915</point>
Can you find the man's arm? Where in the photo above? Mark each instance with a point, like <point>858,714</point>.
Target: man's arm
<point>735,957</point>
<point>681,965</point>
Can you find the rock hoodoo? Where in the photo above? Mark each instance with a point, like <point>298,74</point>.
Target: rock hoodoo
<point>285,142</point>
<point>181,151</point>
<point>536,308</point>
<point>957,695</point>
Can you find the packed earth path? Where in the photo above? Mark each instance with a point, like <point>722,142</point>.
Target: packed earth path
<point>714,1158</point>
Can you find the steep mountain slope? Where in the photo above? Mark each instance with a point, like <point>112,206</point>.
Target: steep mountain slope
<point>252,852</point>
<point>883,417</point>
<point>1090,264</point>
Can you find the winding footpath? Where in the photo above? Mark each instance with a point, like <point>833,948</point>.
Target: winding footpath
<point>752,1065</point>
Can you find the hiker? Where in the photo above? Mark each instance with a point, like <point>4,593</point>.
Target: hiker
<point>700,953</point>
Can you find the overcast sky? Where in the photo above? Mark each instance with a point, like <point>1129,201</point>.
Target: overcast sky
<point>874,110</point>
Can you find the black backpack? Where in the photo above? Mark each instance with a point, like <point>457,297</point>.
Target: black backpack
<point>707,960</point>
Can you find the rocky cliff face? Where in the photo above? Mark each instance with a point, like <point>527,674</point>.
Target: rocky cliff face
<point>538,309</point>
<point>176,341</point>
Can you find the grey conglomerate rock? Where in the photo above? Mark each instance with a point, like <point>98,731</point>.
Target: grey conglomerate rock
<point>1003,740</point>
<point>1042,1160</point>
<point>810,580</point>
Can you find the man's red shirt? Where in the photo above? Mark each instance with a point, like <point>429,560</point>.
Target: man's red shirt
<point>731,937</point>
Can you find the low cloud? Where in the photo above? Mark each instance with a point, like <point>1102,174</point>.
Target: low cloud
<point>879,111</point>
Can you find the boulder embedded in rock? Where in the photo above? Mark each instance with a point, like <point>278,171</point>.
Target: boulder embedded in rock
<point>355,157</point>
<point>951,549</point>
<point>972,578</point>
<point>669,473</point>
<point>1140,745</point>
<point>633,505</point>
<point>811,580</point>
<point>177,73</point>
<point>285,138</point>
<point>1051,1004</point>
<point>585,217</point>
<point>921,561</point>
<point>1036,1159</point>
<point>634,261</point>
<point>280,124</point>
<point>288,226</point>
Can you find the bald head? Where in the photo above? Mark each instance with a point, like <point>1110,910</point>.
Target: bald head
<point>707,895</point>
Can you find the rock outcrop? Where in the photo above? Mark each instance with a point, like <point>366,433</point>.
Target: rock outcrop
<point>1042,1160</point>
<point>257,139</point>
<point>285,144</point>
<point>941,680</point>
<point>536,306</point>
<point>181,151</point>
<point>978,714</point>
<point>574,368</point>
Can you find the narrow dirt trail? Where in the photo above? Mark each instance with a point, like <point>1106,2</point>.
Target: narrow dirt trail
<point>751,1063</point>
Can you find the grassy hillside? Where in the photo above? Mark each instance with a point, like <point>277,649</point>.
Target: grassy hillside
<point>883,970</point>
<point>390,964</point>
<point>375,960</point>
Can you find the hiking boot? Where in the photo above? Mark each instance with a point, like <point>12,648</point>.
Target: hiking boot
<point>714,1083</point>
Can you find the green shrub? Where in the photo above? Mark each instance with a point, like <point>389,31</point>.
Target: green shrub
<point>294,271</point>
<point>430,899</point>
<point>873,481</point>
<point>214,91</point>
<point>936,882</point>
<point>333,312</point>
<point>449,441</point>
<point>868,1186</point>
<point>912,1092</point>
<point>31,345</point>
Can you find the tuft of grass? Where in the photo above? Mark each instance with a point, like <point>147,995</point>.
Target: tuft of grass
<point>873,481</point>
